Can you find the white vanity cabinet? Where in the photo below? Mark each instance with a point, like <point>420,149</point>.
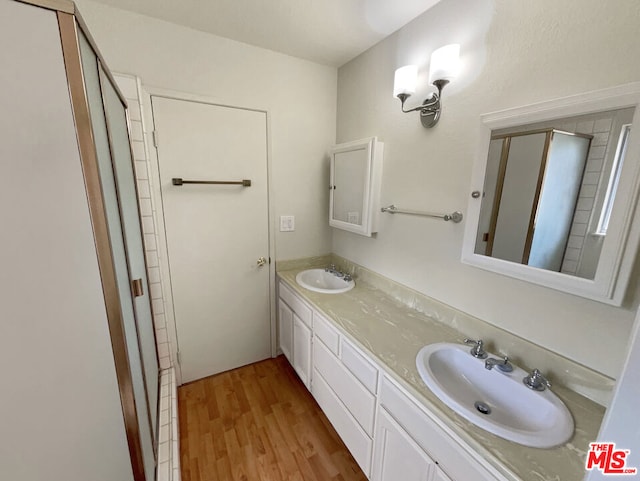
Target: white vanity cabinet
<point>390,434</point>
<point>294,326</point>
<point>404,424</point>
<point>398,456</point>
<point>344,384</point>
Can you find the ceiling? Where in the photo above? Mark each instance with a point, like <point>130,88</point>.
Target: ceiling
<point>330,32</point>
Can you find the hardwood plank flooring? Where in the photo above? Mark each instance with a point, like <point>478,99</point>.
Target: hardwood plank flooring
<point>259,423</point>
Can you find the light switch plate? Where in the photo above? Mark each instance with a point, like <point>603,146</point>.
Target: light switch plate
<point>287,223</point>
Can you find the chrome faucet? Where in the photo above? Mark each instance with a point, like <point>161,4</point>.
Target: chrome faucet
<point>477,350</point>
<point>536,381</point>
<point>502,364</point>
<point>331,269</point>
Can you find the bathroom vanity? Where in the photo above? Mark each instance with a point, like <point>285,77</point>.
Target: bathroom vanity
<point>356,353</point>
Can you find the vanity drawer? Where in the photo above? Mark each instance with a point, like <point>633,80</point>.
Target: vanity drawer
<point>327,334</point>
<point>359,444</point>
<point>294,302</point>
<point>450,454</point>
<point>359,366</point>
<point>355,397</point>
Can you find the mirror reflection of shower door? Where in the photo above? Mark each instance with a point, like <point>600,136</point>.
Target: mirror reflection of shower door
<point>565,165</point>
<point>539,179</point>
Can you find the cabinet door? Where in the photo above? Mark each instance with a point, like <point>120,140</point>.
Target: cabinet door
<point>285,329</point>
<point>302,350</point>
<point>398,457</point>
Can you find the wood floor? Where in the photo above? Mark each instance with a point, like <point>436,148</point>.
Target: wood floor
<point>259,423</point>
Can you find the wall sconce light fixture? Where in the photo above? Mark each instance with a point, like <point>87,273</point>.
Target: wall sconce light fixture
<point>443,68</point>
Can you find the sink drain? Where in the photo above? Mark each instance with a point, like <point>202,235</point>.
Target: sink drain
<point>482,407</point>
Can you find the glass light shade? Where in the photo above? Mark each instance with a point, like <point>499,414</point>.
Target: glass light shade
<point>405,80</point>
<point>444,63</point>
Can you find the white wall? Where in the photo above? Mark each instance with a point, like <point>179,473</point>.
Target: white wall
<point>514,52</point>
<point>299,95</point>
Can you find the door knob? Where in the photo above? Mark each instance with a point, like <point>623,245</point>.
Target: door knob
<point>261,261</point>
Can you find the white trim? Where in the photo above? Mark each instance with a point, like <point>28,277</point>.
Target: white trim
<point>156,194</point>
<point>621,242</point>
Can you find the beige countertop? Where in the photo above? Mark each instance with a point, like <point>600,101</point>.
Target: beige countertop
<point>393,333</point>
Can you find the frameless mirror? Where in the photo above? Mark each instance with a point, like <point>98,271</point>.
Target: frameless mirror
<point>555,190</point>
<point>355,185</point>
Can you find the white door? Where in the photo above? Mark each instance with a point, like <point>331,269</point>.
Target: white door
<point>216,234</point>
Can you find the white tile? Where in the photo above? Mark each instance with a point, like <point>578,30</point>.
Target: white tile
<point>159,320</point>
<point>584,203</point>
<point>138,150</point>
<point>136,131</point>
<point>163,349</point>
<point>145,209</point>
<point>141,169</point>
<point>585,127</point>
<point>581,216</point>
<point>164,421</point>
<point>164,433</point>
<point>602,125</point>
<point>161,336</point>
<point>572,254</point>
<point>147,225</point>
<point>134,111</point>
<point>600,139</point>
<point>144,190</point>
<point>597,152</point>
<point>591,178</point>
<point>152,258</point>
<point>150,243</point>
<point>569,267</point>
<point>569,127</point>
<point>588,191</point>
<point>579,229</point>
<point>176,474</point>
<point>594,165</point>
<point>164,391</point>
<point>575,241</point>
<point>155,290</point>
<point>164,452</point>
<point>164,472</point>
<point>175,452</point>
<point>157,305</point>
<point>165,362</point>
<point>153,273</point>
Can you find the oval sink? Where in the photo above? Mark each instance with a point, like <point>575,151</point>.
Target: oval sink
<point>493,400</point>
<point>319,280</point>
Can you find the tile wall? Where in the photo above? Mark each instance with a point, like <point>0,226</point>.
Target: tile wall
<point>168,448</point>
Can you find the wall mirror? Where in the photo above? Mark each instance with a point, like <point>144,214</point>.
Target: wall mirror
<point>355,185</point>
<point>555,188</point>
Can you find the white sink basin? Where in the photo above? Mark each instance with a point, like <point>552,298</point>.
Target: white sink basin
<point>319,280</point>
<point>517,413</point>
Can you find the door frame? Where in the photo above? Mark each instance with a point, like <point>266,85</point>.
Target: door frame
<point>156,196</point>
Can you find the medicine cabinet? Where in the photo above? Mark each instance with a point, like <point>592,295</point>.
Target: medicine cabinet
<point>354,200</point>
<point>574,165</point>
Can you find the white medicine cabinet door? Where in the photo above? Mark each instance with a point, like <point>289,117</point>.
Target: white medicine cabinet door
<point>356,169</point>
<point>398,457</point>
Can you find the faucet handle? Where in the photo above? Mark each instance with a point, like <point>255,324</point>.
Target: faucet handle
<point>536,381</point>
<point>477,350</point>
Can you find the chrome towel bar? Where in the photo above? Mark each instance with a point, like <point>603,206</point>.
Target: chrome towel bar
<point>392,209</point>
<point>243,183</point>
